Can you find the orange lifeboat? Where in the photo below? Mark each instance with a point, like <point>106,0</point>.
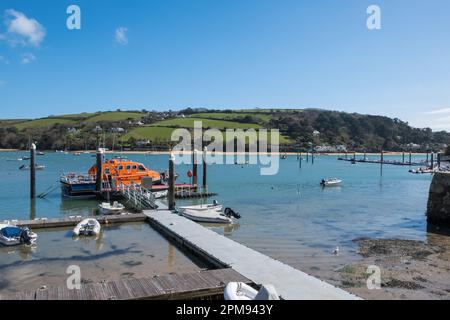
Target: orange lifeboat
<point>125,172</point>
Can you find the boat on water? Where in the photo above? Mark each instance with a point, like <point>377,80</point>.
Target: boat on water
<point>107,208</point>
<point>37,167</point>
<point>12,235</point>
<point>24,159</point>
<point>87,227</point>
<point>202,207</point>
<point>40,153</point>
<point>242,291</point>
<point>116,172</point>
<point>211,213</point>
<point>160,194</point>
<point>330,182</point>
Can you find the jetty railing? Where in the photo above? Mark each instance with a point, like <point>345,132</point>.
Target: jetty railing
<point>138,197</point>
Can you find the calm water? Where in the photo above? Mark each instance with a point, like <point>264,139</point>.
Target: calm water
<point>287,216</point>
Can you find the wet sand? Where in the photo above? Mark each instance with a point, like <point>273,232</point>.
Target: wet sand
<point>409,269</point>
<point>130,250</point>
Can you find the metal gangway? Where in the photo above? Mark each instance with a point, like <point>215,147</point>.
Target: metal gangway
<point>138,197</point>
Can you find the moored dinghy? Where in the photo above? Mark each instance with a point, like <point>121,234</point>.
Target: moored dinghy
<point>87,227</point>
<point>108,208</point>
<point>12,235</point>
<point>242,291</point>
<point>330,182</point>
<point>215,206</point>
<point>211,216</point>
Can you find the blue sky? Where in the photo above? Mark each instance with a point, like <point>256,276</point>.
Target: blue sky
<point>227,54</point>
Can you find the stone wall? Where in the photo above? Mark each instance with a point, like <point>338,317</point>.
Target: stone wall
<point>439,199</point>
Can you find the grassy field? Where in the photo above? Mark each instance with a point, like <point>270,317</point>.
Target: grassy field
<point>115,116</point>
<point>83,115</point>
<point>164,134</point>
<point>231,116</point>
<point>42,123</point>
<point>150,133</point>
<point>206,123</point>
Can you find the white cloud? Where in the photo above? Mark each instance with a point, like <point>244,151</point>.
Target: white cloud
<point>22,30</point>
<point>27,58</point>
<point>121,36</point>
<point>440,111</point>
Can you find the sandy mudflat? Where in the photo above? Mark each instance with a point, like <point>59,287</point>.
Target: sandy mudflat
<point>409,269</point>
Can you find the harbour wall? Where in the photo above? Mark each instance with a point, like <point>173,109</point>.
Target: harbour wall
<point>438,209</point>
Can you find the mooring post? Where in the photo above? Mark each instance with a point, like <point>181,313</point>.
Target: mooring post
<point>381,161</point>
<point>403,158</point>
<point>427,158</point>
<point>432,161</point>
<point>171,194</point>
<point>312,157</point>
<point>354,155</point>
<point>410,158</point>
<point>99,171</point>
<point>194,169</point>
<point>307,156</point>
<point>205,150</point>
<point>33,171</point>
<point>439,160</point>
<point>300,160</point>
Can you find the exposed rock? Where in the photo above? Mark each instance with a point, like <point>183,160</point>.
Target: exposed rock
<point>438,209</point>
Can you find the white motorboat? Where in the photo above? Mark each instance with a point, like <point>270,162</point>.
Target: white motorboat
<point>241,291</point>
<point>87,227</point>
<point>12,235</point>
<point>160,194</point>
<point>330,182</point>
<point>215,206</point>
<point>211,216</point>
<point>108,208</point>
<point>38,167</point>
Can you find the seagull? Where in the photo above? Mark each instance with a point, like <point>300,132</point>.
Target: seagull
<point>336,251</point>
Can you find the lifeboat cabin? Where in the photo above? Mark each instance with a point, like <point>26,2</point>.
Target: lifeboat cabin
<point>116,173</point>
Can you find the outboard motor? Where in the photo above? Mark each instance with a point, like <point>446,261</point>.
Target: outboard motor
<point>25,236</point>
<point>231,213</point>
<point>215,202</point>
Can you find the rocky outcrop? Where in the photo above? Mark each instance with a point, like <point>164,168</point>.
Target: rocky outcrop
<point>438,211</point>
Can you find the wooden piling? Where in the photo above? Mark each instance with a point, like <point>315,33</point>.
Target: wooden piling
<point>300,160</point>
<point>205,186</point>
<point>432,161</point>
<point>33,171</point>
<point>439,160</point>
<point>307,157</point>
<point>194,169</point>
<point>410,158</point>
<point>312,157</point>
<point>381,161</point>
<point>99,173</point>
<point>403,157</point>
<point>171,195</point>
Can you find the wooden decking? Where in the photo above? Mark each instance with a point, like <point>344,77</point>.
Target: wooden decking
<point>172,286</point>
<point>290,283</point>
<point>73,221</point>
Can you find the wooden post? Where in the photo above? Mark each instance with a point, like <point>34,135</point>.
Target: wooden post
<point>354,155</point>
<point>381,161</point>
<point>312,157</point>
<point>403,158</point>
<point>432,161</point>
<point>204,170</point>
<point>427,158</point>
<point>33,171</point>
<point>410,157</point>
<point>171,195</point>
<point>99,173</point>
<point>307,156</point>
<point>194,169</point>
<point>439,160</point>
<point>300,160</point>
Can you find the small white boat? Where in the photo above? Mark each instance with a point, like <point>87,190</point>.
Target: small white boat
<point>210,216</point>
<point>12,235</point>
<point>87,227</point>
<point>108,208</point>
<point>241,291</point>
<point>215,206</point>
<point>38,167</point>
<point>160,194</point>
<point>330,182</point>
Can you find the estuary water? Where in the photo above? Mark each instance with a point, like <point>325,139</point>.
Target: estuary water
<point>287,216</point>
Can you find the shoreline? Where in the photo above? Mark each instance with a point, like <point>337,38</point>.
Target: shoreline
<point>349,154</point>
